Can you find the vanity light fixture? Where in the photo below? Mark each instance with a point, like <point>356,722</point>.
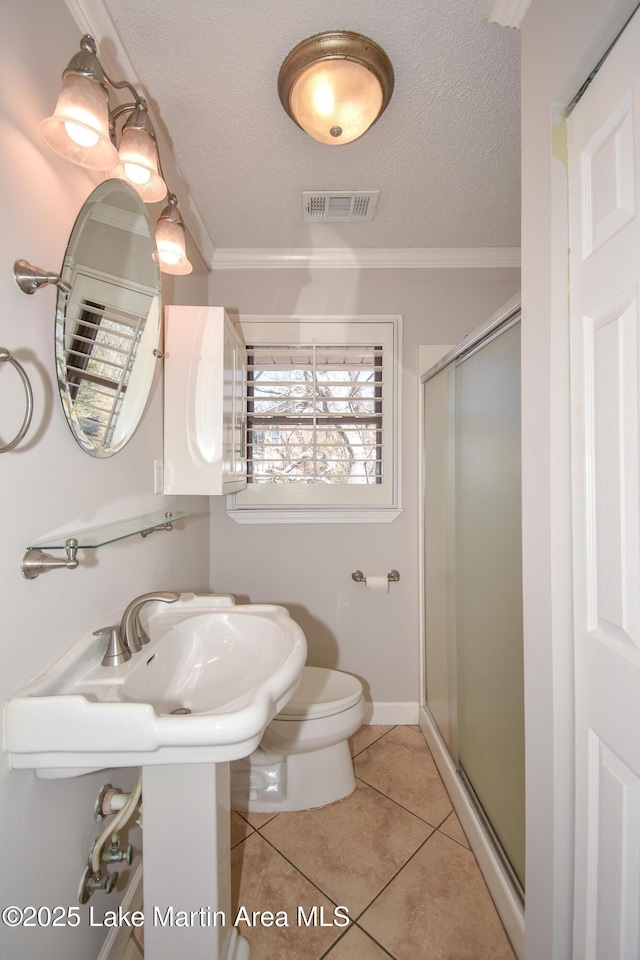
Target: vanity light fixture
<point>335,85</point>
<point>170,240</point>
<point>139,160</point>
<point>83,130</point>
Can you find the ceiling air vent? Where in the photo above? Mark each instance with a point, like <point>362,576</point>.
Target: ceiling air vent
<point>339,205</point>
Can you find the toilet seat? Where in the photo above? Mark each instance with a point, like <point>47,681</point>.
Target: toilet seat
<point>322,693</point>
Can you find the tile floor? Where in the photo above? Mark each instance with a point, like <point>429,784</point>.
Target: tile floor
<point>393,853</point>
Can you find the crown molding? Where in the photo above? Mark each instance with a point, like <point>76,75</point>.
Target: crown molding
<point>92,17</point>
<point>411,258</point>
<point>120,219</point>
<point>508,13</point>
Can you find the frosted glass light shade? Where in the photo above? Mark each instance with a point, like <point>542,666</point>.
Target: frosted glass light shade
<point>335,85</point>
<point>171,244</point>
<point>79,128</point>
<point>336,101</point>
<point>139,165</point>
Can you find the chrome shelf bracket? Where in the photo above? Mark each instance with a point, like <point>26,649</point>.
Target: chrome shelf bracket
<point>164,526</point>
<point>36,562</point>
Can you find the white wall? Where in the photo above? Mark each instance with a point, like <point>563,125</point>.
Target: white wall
<point>48,483</point>
<point>308,567</point>
<point>560,44</point>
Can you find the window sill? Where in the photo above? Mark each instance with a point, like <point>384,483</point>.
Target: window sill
<point>315,515</point>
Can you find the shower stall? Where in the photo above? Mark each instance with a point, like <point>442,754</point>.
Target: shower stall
<point>473,693</point>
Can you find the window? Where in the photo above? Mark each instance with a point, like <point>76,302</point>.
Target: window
<point>314,413</point>
<point>322,420</point>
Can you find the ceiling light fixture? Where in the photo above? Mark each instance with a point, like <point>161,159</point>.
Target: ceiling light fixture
<point>83,130</point>
<point>335,85</point>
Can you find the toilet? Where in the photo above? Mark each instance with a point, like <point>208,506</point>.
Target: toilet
<point>303,760</point>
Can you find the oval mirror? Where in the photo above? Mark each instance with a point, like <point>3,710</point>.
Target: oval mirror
<point>108,325</point>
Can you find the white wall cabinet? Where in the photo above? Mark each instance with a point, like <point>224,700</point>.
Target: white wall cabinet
<point>204,402</point>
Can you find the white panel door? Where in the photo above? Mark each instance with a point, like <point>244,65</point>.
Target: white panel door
<point>604,169</point>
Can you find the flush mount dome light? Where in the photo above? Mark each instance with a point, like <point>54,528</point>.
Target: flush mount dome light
<point>335,85</point>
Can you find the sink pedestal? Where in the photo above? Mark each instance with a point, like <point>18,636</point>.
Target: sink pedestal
<point>211,679</point>
<point>186,863</point>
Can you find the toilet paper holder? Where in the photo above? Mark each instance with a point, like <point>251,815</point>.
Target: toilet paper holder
<point>393,576</point>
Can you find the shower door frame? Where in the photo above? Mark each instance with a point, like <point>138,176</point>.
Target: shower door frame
<point>496,872</point>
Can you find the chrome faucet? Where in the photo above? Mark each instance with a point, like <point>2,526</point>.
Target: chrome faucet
<point>131,629</point>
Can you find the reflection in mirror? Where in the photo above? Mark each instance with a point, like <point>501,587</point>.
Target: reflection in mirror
<point>108,326</point>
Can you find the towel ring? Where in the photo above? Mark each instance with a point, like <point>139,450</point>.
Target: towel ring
<point>6,356</point>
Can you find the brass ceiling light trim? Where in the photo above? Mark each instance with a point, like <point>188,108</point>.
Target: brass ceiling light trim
<point>335,85</point>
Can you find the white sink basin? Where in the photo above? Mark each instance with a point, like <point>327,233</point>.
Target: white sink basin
<point>232,667</point>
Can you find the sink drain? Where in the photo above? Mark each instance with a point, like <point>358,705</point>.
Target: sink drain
<point>180,711</point>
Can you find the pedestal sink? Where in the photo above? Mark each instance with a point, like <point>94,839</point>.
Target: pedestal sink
<point>227,669</point>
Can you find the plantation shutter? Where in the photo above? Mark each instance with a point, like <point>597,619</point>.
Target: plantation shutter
<point>322,419</point>
<point>98,342</point>
<point>315,413</point>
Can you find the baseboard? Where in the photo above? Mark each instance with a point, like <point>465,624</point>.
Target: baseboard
<point>508,905</point>
<point>117,939</point>
<point>405,712</point>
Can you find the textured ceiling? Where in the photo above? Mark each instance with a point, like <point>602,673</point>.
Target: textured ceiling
<point>444,155</point>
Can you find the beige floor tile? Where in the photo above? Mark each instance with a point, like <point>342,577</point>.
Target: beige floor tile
<point>438,908</point>
<point>261,879</point>
<point>365,736</point>
<point>349,849</point>
<point>356,945</point>
<point>256,820</point>
<point>453,829</point>
<point>137,934</point>
<point>400,765</point>
<point>131,951</point>
<point>240,828</point>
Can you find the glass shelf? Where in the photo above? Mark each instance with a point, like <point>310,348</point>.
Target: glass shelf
<point>94,537</point>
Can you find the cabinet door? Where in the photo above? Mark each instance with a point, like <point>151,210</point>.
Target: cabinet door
<point>240,415</point>
<point>233,409</point>
<point>203,402</point>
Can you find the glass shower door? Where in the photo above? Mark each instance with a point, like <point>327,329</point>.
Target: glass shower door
<point>490,701</point>
<point>438,471</point>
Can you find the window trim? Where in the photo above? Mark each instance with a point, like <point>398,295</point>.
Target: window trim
<point>271,329</point>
